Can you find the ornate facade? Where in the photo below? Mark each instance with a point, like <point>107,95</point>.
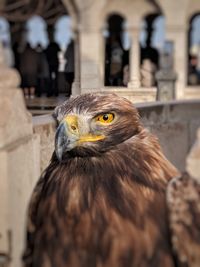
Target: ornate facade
<point>89,21</point>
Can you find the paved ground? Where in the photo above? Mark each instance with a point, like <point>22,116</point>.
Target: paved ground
<point>44,105</point>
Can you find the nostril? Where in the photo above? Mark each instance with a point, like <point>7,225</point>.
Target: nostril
<point>73,127</point>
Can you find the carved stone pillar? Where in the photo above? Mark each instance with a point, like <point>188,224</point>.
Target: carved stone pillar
<point>91,60</point>
<point>177,34</point>
<point>76,84</point>
<point>18,172</point>
<point>134,61</point>
<point>193,159</point>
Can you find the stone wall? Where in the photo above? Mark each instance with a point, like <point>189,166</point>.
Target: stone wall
<point>18,167</point>
<point>175,123</point>
<point>26,146</point>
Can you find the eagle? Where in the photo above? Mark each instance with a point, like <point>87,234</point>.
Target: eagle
<point>101,202</point>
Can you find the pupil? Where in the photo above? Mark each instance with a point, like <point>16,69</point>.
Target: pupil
<point>105,117</point>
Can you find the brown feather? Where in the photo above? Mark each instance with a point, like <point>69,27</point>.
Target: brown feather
<point>183,195</point>
<point>103,206</point>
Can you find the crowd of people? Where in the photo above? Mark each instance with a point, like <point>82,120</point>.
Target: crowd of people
<point>41,69</point>
<point>51,70</point>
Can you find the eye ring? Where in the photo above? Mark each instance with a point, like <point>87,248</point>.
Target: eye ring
<point>105,118</point>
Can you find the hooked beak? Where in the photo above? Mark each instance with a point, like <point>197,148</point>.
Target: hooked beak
<point>68,136</point>
<point>62,141</point>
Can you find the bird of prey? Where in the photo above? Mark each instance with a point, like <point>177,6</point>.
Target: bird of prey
<point>101,202</point>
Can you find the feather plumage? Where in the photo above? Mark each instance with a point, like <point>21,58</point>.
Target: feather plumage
<point>183,199</point>
<point>104,204</point>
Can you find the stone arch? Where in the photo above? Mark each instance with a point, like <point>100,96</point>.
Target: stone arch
<point>116,53</point>
<point>116,20</point>
<point>110,13</point>
<point>152,45</point>
<point>193,16</point>
<point>194,50</point>
<point>193,10</point>
<point>71,8</point>
<point>151,29</point>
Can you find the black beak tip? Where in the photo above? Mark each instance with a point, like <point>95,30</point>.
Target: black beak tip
<point>60,141</point>
<point>59,155</point>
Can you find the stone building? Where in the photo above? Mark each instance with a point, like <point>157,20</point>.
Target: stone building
<point>89,22</point>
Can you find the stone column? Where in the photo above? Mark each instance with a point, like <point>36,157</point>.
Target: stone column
<point>102,57</point>
<point>178,35</point>
<point>18,171</point>
<point>76,84</point>
<point>193,159</point>
<point>134,59</point>
<point>90,60</point>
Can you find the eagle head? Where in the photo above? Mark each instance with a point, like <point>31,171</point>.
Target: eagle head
<point>94,123</point>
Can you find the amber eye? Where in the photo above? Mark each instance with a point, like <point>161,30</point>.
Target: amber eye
<point>105,118</point>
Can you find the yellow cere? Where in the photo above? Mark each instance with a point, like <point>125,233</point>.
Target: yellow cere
<point>71,119</point>
<point>105,118</point>
<point>90,138</point>
<point>72,122</point>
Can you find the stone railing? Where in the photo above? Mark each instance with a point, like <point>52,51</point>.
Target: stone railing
<point>175,123</point>
<point>44,128</point>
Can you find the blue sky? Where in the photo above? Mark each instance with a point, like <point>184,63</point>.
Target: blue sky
<point>196,31</point>
<point>36,31</point>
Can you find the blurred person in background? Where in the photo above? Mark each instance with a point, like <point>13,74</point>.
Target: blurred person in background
<point>53,63</point>
<point>28,67</point>
<point>43,71</point>
<point>192,71</point>
<point>114,61</point>
<point>62,86</point>
<point>16,54</point>
<point>69,66</point>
